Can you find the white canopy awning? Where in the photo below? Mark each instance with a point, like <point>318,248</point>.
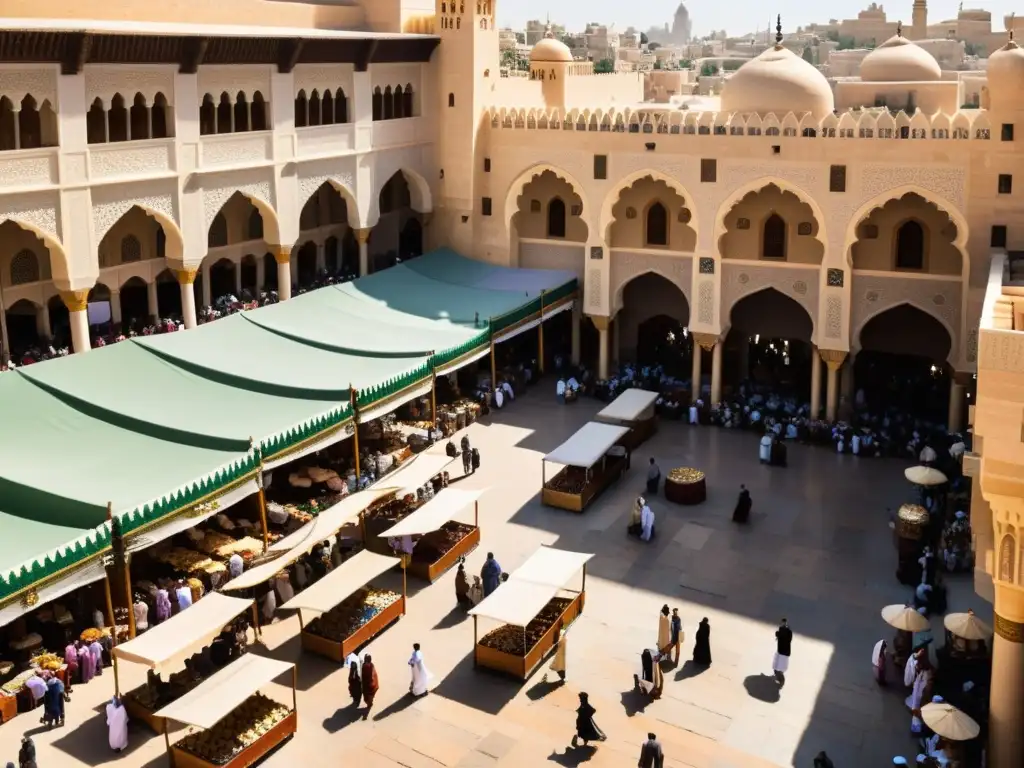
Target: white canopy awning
<point>416,472</point>
<point>301,542</point>
<point>224,691</point>
<point>435,513</point>
<point>169,642</point>
<point>588,445</point>
<point>357,571</point>
<point>554,567</point>
<point>515,602</point>
<point>631,405</point>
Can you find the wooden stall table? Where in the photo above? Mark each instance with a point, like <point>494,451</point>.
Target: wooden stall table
<point>592,460</point>
<point>532,605</point>
<point>911,529</point>
<point>168,644</point>
<point>633,409</point>
<point>442,541</point>
<point>686,485</point>
<point>239,725</point>
<point>330,593</point>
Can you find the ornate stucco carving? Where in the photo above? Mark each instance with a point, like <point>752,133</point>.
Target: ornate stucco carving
<point>322,78</point>
<point>734,174</point>
<point>28,171</point>
<point>115,160</point>
<point>235,151</point>
<point>947,182</point>
<point>39,211</point>
<point>15,84</point>
<point>873,294</point>
<point>833,317</point>
<point>593,290</point>
<point>626,265</point>
<point>105,214</point>
<point>103,82</point>
<point>232,79</point>
<point>972,345</point>
<point>310,184</point>
<point>706,302</point>
<point>799,284</point>
<point>214,199</point>
<point>1001,352</point>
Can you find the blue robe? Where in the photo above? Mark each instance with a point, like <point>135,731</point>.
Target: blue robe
<point>53,700</point>
<point>490,575</point>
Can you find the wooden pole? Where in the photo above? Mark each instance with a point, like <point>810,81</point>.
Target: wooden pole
<point>362,525</point>
<point>255,621</point>
<point>476,513</point>
<point>475,640</point>
<point>433,398</point>
<point>113,628</point>
<point>404,591</point>
<point>494,369</point>
<point>540,336</point>
<point>263,514</point>
<point>131,603</point>
<point>167,740</point>
<point>355,431</point>
<point>583,587</point>
<point>295,688</point>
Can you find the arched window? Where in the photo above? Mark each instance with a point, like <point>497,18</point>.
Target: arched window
<point>7,118</point>
<point>241,113</point>
<point>117,120</point>
<point>399,103</point>
<point>451,99</point>
<point>159,118</point>
<point>657,225</point>
<point>218,235</point>
<point>301,110</point>
<point>556,218</point>
<point>254,229</point>
<point>910,246</point>
<point>327,109</point>
<point>24,268</point>
<point>96,123</point>
<point>139,118</point>
<point>30,128</point>
<point>207,116</point>
<point>378,104</point>
<point>224,114</point>
<point>340,107</point>
<point>314,108</point>
<point>258,120</point>
<point>131,249</point>
<point>389,104</point>
<point>408,105</point>
<point>774,246</point>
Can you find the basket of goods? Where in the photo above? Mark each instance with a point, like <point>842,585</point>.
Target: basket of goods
<point>571,480</point>
<point>250,721</point>
<point>15,684</point>
<point>436,544</point>
<point>685,485</point>
<point>48,661</point>
<point>318,475</point>
<point>351,614</point>
<point>146,696</point>
<point>91,635</point>
<point>515,641</point>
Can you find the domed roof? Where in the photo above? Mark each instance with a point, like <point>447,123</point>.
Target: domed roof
<point>898,60</point>
<point>1006,76</point>
<point>778,81</point>
<point>550,50</point>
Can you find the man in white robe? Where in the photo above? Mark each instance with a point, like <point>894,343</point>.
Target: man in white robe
<point>117,725</point>
<point>646,523</point>
<point>420,674</point>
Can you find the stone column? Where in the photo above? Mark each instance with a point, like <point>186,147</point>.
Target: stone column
<point>238,279</point>
<point>815,384</point>
<point>283,257</point>
<point>261,274</point>
<point>5,350</point>
<point>834,360</point>
<point>115,307</point>
<point>601,323</point>
<point>695,373</point>
<point>707,342</point>
<point>42,323</point>
<point>186,282</point>
<point>616,340</point>
<point>957,397</point>
<point>152,300</point>
<point>321,257</point>
<point>77,303</point>
<point>577,317</point>
<point>207,290</point>
<point>1006,704</point>
<point>363,237</point>
<point>716,374</point>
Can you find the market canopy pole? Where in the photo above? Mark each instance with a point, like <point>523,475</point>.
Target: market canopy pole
<point>120,561</point>
<point>262,499</point>
<point>433,392</point>
<point>355,429</point>
<point>540,335</point>
<point>494,365</point>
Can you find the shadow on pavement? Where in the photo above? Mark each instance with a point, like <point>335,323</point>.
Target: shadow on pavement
<point>395,707</point>
<point>88,743</point>
<point>343,717</point>
<point>763,688</point>
<point>573,755</point>
<point>477,688</point>
<point>453,618</point>
<point>543,688</point>
<point>634,702</point>
<point>690,669</point>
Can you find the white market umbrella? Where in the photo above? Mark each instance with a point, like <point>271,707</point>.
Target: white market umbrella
<point>924,476</point>
<point>949,722</point>
<point>968,626</point>
<point>904,617</point>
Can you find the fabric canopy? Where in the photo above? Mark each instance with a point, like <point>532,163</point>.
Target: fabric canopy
<point>170,642</point>
<point>352,574</point>
<point>588,445</point>
<point>435,513</point>
<point>515,602</point>
<point>550,566</point>
<point>447,266</point>
<point>629,406</point>
<point>416,472</point>
<point>219,695</point>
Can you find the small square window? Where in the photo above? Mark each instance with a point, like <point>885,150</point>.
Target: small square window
<point>487,165</point>
<point>998,239</point>
<point>1005,183</point>
<point>837,178</point>
<point>451,99</point>
<point>776,149</point>
<point>486,206</point>
<point>708,170</point>
<point>1007,132</point>
<point>600,166</point>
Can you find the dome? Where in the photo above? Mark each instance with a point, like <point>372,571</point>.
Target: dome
<point>550,50</point>
<point>778,81</point>
<point>1006,77</point>
<point>898,60</point>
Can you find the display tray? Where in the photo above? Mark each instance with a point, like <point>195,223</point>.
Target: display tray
<point>430,572</point>
<point>138,712</point>
<point>181,758</point>
<point>521,667</point>
<point>614,467</point>
<point>687,486</point>
<point>337,651</point>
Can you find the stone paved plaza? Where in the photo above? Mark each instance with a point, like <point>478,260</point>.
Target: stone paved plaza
<point>818,551</point>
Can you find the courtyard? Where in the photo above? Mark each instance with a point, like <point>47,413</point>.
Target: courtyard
<point>818,551</point>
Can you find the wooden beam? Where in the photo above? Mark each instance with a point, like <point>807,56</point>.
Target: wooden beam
<point>76,53</point>
<point>192,54</point>
<point>366,55</point>
<point>288,54</point>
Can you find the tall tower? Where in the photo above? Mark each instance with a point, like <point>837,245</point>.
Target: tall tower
<point>919,30</point>
<point>467,66</point>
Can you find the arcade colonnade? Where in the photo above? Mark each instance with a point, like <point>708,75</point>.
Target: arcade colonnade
<point>895,240</point>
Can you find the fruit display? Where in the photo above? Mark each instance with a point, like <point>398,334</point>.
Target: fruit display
<point>48,661</point>
<point>91,635</point>
<point>352,613</point>
<point>185,560</point>
<point>685,475</point>
<point>570,480</point>
<point>514,641</point>
<point>15,684</point>
<point>436,544</point>
<point>252,719</point>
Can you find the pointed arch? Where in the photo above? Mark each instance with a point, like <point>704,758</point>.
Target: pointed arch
<point>757,185</point>
<point>607,217</point>
<point>915,307</point>
<point>556,217</point>
<point>421,199</point>
<point>173,244</point>
<point>518,185</point>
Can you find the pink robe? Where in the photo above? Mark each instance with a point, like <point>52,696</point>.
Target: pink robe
<point>96,651</point>
<point>163,605</point>
<point>87,665</point>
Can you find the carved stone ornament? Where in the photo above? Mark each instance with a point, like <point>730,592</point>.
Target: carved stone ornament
<point>835,278</point>
<point>706,302</point>
<point>30,599</point>
<point>685,216</point>
<point>972,346</point>
<point>34,210</point>
<point>1011,631</point>
<point>743,278</point>
<point>742,223</point>
<point>593,289</point>
<point>804,228</point>
<point>596,252</point>
<point>631,213</point>
<point>627,265</point>
<point>214,199</point>
<point>107,213</point>
<point>707,265</point>
<point>41,84</point>
<point>800,287</point>
<point>834,317</point>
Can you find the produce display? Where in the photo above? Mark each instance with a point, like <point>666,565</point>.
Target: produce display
<point>436,544</point>
<point>570,480</point>
<point>48,661</point>
<point>255,717</point>
<point>15,684</point>
<point>685,475</point>
<point>185,560</point>
<point>222,546</point>
<point>351,613</point>
<point>514,641</point>
<point>91,635</point>
<point>391,511</point>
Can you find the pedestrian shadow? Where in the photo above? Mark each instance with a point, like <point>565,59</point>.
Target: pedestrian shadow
<point>342,718</point>
<point>88,743</point>
<point>763,688</point>
<point>453,618</point>
<point>634,702</point>
<point>573,756</point>
<point>690,669</point>
<point>477,689</point>
<point>543,688</point>
<point>402,703</point>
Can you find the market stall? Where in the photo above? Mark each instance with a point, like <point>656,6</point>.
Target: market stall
<point>239,725</point>
<point>167,646</point>
<point>911,530</point>
<point>409,487</point>
<point>686,485</point>
<point>592,460</point>
<point>349,612</point>
<point>634,409</point>
<point>532,606</point>
<point>439,540</point>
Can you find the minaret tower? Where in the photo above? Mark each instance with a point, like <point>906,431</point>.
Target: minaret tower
<point>467,67</point>
<point>919,30</point>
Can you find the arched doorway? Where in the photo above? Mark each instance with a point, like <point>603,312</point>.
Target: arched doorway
<point>547,226</point>
<point>134,237</point>
<point>168,295</point>
<point>134,298</point>
<point>349,254</point>
<point>250,275</point>
<point>653,325</point>
<point>332,255</point>
<point>23,331</point>
<point>410,240</point>
<point>652,214</point>
<point>772,224</point>
<point>901,366</point>
<point>222,278</point>
<point>306,266</point>
<point>269,272</point>
<point>60,321</point>
<point>907,234</point>
<point>395,208</point>
<point>236,222</point>
<point>769,345</point>
<point>100,310</point>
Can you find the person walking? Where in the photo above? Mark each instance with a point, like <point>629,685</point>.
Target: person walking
<point>741,513</point>
<point>653,477</point>
<point>664,631</point>
<point>355,685</point>
<point>558,665</point>
<point>677,635</point>
<point>783,646</point>
<point>702,645</point>
<point>490,574</point>
<point>586,728</point>
<point>420,674</point>
<point>467,455</point>
<point>651,754</point>
<point>27,753</point>
<point>370,684</point>
<point>462,587</point>
<point>117,724</point>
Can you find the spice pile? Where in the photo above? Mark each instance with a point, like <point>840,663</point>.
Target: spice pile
<point>242,728</point>
<point>685,475</point>
<point>436,544</point>
<point>351,614</point>
<point>509,639</point>
<point>570,480</point>
<point>48,661</point>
